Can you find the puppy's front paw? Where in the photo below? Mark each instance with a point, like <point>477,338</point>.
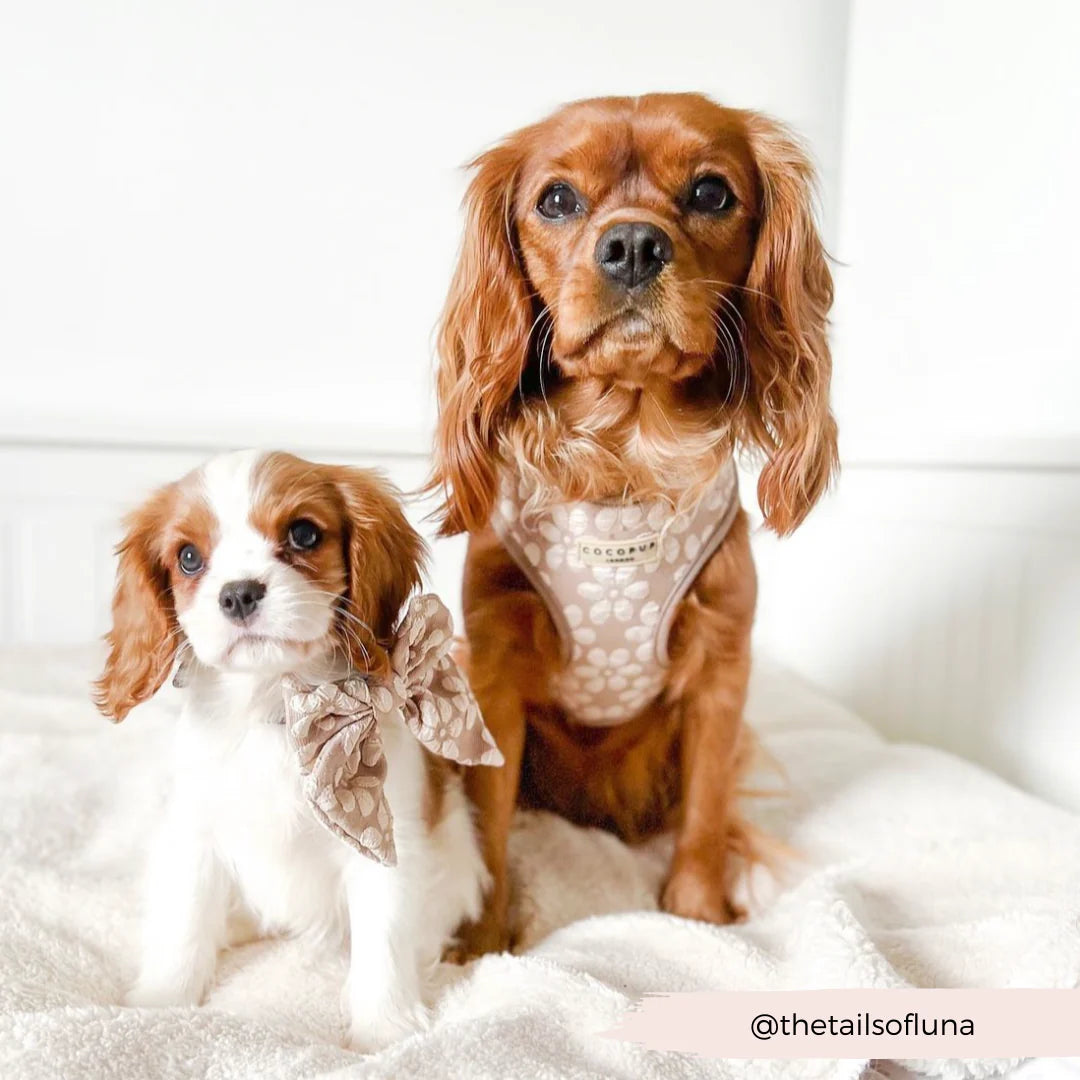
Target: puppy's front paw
<point>697,893</point>
<point>370,1032</point>
<point>150,993</point>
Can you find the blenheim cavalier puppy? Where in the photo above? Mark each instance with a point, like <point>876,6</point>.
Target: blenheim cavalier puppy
<point>641,292</point>
<point>312,792</point>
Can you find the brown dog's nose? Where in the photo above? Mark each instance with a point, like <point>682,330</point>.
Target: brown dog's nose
<point>633,253</point>
<point>239,599</point>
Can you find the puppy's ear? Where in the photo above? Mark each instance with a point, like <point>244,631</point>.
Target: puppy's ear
<point>483,342</point>
<point>385,558</point>
<point>789,293</point>
<point>144,635</point>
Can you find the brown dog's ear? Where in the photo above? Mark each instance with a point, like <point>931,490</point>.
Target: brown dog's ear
<point>789,293</point>
<point>483,343</point>
<point>385,559</point>
<point>144,635</point>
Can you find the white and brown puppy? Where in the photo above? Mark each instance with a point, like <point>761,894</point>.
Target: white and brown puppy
<point>251,567</point>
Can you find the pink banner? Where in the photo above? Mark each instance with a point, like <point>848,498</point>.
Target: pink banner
<point>858,1023</point>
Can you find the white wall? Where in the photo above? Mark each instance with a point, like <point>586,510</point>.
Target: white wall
<point>938,590</point>
<point>957,334</point>
<point>232,219</point>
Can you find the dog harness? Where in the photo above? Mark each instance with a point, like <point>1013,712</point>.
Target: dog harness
<point>611,575</point>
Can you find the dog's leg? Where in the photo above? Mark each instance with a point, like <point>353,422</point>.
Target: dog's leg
<point>384,993</point>
<point>184,925</point>
<point>512,648</point>
<point>493,793</point>
<point>711,666</point>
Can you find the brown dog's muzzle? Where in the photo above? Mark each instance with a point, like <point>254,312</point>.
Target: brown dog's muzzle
<point>632,253</point>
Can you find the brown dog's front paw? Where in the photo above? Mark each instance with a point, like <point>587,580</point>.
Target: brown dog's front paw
<point>487,935</point>
<point>696,893</point>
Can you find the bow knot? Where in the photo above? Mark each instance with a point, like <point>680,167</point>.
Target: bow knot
<point>334,728</point>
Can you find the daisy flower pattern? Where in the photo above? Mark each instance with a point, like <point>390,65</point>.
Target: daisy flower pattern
<point>612,576</point>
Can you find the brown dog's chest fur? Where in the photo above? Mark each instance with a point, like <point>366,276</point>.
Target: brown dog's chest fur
<point>625,778</point>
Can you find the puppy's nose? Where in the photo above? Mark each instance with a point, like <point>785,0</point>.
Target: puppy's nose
<point>633,253</point>
<point>239,599</point>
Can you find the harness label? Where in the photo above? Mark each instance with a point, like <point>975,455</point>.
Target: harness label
<point>636,552</point>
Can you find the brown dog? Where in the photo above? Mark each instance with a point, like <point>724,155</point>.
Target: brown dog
<point>641,291</point>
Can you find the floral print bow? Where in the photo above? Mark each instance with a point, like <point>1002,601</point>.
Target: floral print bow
<point>334,728</point>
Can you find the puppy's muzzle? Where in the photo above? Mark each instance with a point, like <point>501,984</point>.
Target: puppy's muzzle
<point>239,599</point>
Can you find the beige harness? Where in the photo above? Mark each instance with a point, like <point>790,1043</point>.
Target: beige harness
<point>612,575</point>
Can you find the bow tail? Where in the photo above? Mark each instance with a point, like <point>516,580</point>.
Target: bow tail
<point>345,790</point>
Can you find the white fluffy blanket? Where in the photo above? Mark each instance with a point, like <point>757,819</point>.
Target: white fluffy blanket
<point>916,868</point>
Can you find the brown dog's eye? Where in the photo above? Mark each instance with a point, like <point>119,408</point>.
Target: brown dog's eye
<point>559,201</point>
<point>303,535</point>
<point>710,195</point>
<point>191,562</point>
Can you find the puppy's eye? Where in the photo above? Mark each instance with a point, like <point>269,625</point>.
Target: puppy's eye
<point>303,535</point>
<point>191,562</point>
<point>710,195</point>
<point>559,201</point>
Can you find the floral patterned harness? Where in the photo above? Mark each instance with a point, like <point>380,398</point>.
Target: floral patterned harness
<point>612,576</point>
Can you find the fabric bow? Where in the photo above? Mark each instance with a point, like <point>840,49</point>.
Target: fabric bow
<point>334,728</point>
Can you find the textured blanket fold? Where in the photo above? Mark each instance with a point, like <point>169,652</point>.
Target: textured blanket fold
<point>914,868</point>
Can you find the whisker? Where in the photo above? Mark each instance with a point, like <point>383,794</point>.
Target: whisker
<point>544,313</point>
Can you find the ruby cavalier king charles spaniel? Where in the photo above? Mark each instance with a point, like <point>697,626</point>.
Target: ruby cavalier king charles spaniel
<point>641,294</point>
